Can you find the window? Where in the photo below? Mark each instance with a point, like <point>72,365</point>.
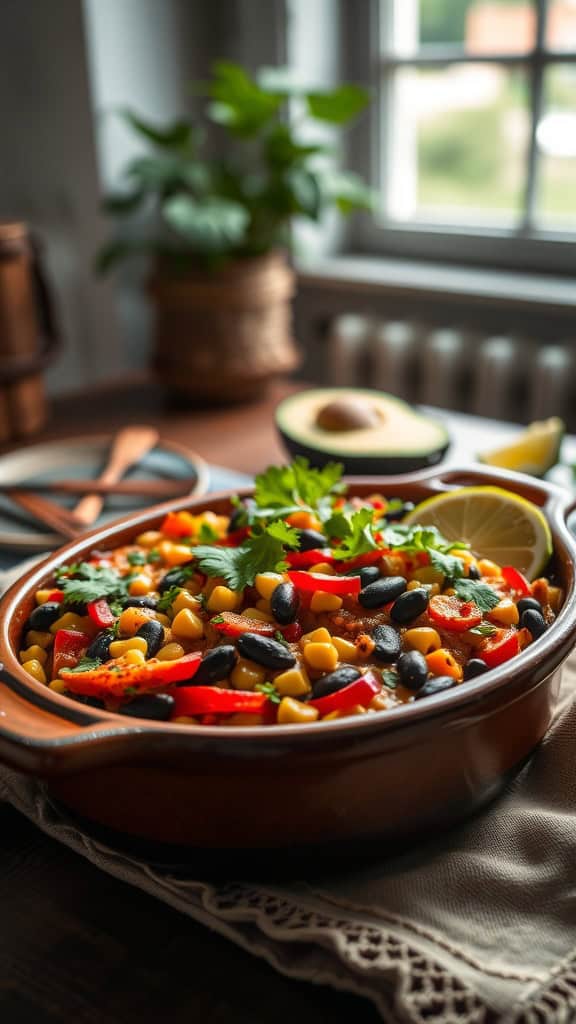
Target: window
<point>472,143</point>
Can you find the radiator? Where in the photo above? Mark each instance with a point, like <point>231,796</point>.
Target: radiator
<point>510,378</point>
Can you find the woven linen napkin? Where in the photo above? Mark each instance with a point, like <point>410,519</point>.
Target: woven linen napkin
<point>478,925</point>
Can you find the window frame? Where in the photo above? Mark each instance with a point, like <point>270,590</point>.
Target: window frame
<point>526,248</point>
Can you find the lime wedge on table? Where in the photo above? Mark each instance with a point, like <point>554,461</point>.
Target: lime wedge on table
<point>496,523</point>
<point>534,451</point>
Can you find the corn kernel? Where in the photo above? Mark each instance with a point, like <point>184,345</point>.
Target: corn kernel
<point>43,595</point>
<point>321,655</point>
<point>540,590</point>
<point>356,709</point>
<point>222,599</point>
<point>293,711</point>
<point>414,585</point>
<point>555,598</point>
<point>140,586</point>
<point>380,702</point>
<point>331,716</point>
<point>263,606</point>
<point>186,600</point>
<point>505,613</point>
<point>292,683</point>
<point>322,601</point>
<point>346,650</point>
<point>120,647</point>
<point>323,569</point>
<point>72,621</point>
<point>318,636</point>
<point>171,652</point>
<point>149,539</point>
<point>135,657</point>
<point>174,554</point>
<point>488,568</point>
<point>428,574</point>
<point>255,613</point>
<point>266,583</point>
<point>58,685</point>
<point>243,718</point>
<point>304,521</point>
<point>392,565</point>
<point>163,619</point>
<point>36,653</point>
<point>423,639</point>
<point>188,625</point>
<point>132,618</point>
<point>39,638</point>
<point>247,674</point>
<point>443,663</point>
<point>35,669</point>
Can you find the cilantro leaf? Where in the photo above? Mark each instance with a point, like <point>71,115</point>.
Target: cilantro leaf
<point>359,539</point>
<point>154,555</point>
<point>166,599</point>
<point>86,665</point>
<point>67,570</point>
<point>270,690</point>
<point>90,582</point>
<point>207,533</point>
<point>450,565</point>
<point>427,539</point>
<point>483,629</point>
<point>297,484</point>
<point>390,678</point>
<point>263,552</point>
<point>479,593</point>
<point>136,558</point>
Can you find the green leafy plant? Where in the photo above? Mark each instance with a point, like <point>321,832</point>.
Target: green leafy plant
<point>187,207</point>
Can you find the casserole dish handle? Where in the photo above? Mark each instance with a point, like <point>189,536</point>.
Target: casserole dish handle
<point>40,739</point>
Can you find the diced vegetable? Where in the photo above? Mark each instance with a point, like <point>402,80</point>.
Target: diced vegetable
<point>309,582</point>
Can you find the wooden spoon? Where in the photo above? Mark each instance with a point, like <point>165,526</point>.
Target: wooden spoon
<point>129,446</point>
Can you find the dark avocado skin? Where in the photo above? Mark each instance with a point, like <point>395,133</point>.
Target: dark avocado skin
<point>381,465</point>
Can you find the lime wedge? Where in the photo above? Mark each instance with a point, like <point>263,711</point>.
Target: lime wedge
<point>496,523</point>
<point>534,451</point>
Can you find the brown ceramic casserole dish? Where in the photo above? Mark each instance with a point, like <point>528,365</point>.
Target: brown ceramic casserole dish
<point>405,771</point>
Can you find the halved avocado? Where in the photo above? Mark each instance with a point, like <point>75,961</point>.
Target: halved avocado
<point>369,431</point>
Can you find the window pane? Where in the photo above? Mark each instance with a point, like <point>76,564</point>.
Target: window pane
<point>479,26</point>
<point>561,25</point>
<point>456,144</point>
<point>556,138</point>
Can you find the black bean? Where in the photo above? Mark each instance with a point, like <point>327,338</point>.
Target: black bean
<point>399,513</point>
<point>91,702</point>
<point>44,616</point>
<point>384,590</point>
<point>412,669</point>
<point>409,605</point>
<point>474,573</point>
<point>264,651</point>
<point>388,644</point>
<point>369,574</point>
<point>215,665</point>
<point>174,578</point>
<point>157,706</point>
<point>139,602</point>
<point>153,633</point>
<point>527,603</point>
<point>100,646</point>
<point>284,603</point>
<point>534,622</point>
<point>436,684</point>
<point>335,681</point>
<point>311,539</point>
<point>474,667</point>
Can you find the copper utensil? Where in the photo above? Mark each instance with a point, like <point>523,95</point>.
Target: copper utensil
<point>47,512</point>
<point>129,446</point>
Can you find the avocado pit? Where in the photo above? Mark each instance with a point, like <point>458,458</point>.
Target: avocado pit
<point>348,414</point>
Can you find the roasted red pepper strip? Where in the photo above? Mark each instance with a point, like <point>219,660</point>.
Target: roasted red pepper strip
<point>516,581</point>
<point>304,559</point>
<point>499,648</point>
<point>454,614</point>
<point>308,581</point>
<point>361,691</point>
<point>206,700</point>
<point>69,646</point>
<point>292,633</point>
<point>101,613</point>
<point>120,678</point>
<point>231,624</point>
<point>368,558</point>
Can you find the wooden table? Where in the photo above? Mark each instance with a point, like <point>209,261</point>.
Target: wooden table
<point>79,946</point>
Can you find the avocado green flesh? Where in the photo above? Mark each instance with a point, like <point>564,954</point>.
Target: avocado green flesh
<point>404,440</point>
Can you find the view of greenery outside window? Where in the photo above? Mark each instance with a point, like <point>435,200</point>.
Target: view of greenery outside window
<point>478,114</point>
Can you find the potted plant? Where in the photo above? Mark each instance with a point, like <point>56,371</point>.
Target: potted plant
<point>215,220</point>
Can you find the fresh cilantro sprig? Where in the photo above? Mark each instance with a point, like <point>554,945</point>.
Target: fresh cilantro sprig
<point>262,552</point>
<point>355,532</point>
<point>136,558</point>
<point>298,484</point>
<point>90,582</point>
<point>427,539</point>
<point>166,600</point>
<point>483,629</point>
<point>483,596</point>
<point>86,665</point>
<point>207,533</point>
<point>270,691</point>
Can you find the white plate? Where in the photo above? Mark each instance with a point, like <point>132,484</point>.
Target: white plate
<point>83,459</point>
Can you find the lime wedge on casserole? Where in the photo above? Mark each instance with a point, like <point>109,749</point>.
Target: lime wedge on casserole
<point>534,451</point>
<point>496,523</point>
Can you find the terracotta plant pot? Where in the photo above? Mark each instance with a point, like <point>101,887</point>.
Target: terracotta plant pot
<point>223,336</point>
<point>411,770</point>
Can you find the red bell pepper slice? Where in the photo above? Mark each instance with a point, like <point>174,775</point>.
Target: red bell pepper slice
<point>57,596</point>
<point>312,581</point>
<point>499,648</point>
<point>516,581</point>
<point>292,633</point>
<point>120,678</point>
<point>453,614</point>
<point>69,646</point>
<point>101,613</point>
<point>178,524</point>
<point>361,691</point>
<point>234,625</point>
<point>212,700</point>
<point>304,559</point>
<point>234,539</point>
<point>368,558</point>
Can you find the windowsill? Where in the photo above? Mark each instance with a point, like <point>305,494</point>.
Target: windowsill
<point>369,274</point>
